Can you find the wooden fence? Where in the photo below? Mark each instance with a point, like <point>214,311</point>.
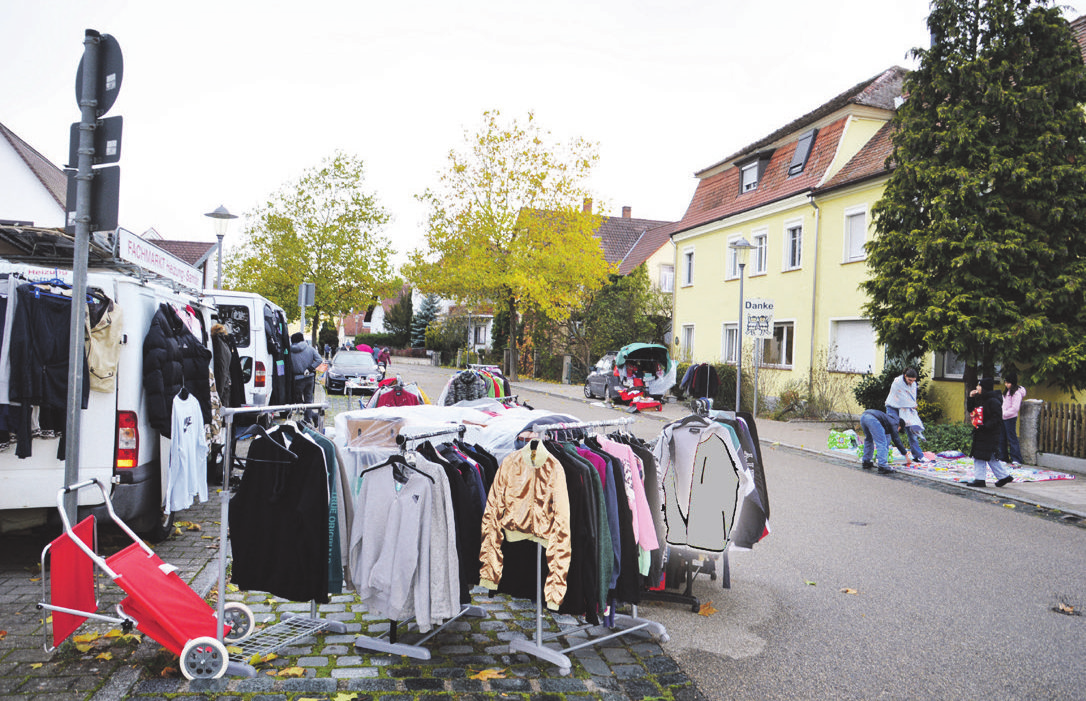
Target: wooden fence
<point>1062,430</point>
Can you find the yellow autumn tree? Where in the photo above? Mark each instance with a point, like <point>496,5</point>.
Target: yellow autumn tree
<point>507,224</point>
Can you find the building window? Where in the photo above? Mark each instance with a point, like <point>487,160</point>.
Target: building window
<point>855,235</point>
<point>731,270</point>
<point>667,277</point>
<point>688,267</point>
<point>853,347</point>
<point>802,152</point>
<point>748,177</point>
<point>480,335</point>
<point>793,246</point>
<point>948,366</point>
<point>760,254</point>
<point>730,343</point>
<point>687,342</point>
<point>777,351</point>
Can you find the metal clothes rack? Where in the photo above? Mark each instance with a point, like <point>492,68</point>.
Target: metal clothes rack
<point>388,642</point>
<point>291,627</point>
<point>627,624</point>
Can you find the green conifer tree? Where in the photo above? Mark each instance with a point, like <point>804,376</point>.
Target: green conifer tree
<point>980,244</point>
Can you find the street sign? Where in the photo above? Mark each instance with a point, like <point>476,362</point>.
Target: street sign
<point>105,193</point>
<point>110,72</point>
<point>758,318</point>
<point>306,294</point>
<point>107,142</point>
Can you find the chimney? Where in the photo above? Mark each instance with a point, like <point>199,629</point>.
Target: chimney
<point>626,212</point>
<point>587,205</point>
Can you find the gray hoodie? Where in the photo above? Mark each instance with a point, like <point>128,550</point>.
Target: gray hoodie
<point>304,358</point>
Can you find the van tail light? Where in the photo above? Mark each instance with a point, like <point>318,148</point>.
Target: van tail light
<point>260,375</point>
<point>128,441</point>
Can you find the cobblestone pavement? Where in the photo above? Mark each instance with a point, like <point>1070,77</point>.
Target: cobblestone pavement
<point>96,667</point>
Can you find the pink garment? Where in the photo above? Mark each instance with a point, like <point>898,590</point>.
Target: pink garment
<point>633,471</point>
<point>1012,403</point>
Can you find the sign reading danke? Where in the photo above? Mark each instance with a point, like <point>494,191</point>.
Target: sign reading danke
<point>155,260</point>
<point>758,318</point>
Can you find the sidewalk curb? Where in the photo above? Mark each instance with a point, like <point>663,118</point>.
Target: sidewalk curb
<point>846,462</point>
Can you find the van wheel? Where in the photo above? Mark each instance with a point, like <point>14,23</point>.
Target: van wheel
<point>162,530</point>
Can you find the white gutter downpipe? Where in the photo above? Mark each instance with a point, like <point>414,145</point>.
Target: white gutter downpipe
<point>814,294</point>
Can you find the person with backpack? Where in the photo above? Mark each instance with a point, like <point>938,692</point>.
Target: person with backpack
<point>305,360</point>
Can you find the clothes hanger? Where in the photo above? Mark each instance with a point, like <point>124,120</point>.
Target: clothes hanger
<point>396,459</point>
<point>259,431</point>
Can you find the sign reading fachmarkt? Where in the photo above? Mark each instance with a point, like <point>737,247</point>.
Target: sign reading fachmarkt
<point>758,318</point>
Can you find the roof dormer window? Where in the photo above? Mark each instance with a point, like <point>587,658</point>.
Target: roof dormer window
<point>751,171</point>
<point>748,177</point>
<point>802,152</point>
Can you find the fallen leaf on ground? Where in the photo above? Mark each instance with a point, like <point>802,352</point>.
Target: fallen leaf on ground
<point>3,634</point>
<point>706,609</point>
<point>168,672</point>
<point>83,647</point>
<point>1009,506</point>
<point>35,665</point>
<point>846,590</point>
<point>483,675</point>
<point>234,649</point>
<point>104,656</point>
<point>810,583</point>
<point>291,672</point>
<point>86,638</point>
<point>345,696</point>
<point>1064,608</point>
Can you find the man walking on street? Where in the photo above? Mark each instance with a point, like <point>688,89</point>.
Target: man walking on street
<point>877,427</point>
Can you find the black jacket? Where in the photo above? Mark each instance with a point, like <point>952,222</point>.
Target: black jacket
<point>986,436</point>
<point>173,358</point>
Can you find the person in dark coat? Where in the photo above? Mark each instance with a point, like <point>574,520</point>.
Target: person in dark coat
<point>986,412</point>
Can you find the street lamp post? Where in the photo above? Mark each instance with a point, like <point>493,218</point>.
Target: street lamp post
<point>742,248</point>
<point>222,220</point>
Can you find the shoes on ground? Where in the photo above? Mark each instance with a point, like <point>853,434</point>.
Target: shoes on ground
<point>1005,480</point>
<point>885,470</point>
<point>868,465</point>
<point>975,483</point>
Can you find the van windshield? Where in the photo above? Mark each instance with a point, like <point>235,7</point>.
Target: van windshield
<point>236,320</point>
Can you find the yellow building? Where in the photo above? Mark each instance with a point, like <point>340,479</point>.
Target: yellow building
<point>802,196</point>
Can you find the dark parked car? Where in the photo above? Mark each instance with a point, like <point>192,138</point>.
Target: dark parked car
<point>355,367</point>
<point>602,382</point>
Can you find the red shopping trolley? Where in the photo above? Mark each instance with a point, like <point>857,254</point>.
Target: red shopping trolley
<point>158,603</point>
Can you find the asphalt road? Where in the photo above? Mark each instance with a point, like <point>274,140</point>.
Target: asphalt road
<point>876,587</point>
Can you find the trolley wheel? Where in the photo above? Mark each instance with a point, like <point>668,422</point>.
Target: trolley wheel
<point>240,619</point>
<point>203,658</point>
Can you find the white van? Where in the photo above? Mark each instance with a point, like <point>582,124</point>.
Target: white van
<point>242,313</point>
<point>117,444</point>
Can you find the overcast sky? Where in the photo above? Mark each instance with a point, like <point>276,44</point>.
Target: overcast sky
<point>225,102</point>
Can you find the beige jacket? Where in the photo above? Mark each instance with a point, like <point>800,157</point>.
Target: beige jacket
<point>103,347</point>
<point>528,501</point>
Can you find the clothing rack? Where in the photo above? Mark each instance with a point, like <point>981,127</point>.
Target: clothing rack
<point>627,624</point>
<point>292,627</point>
<point>388,642</point>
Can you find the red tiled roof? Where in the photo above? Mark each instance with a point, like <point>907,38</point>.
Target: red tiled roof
<point>870,162</point>
<point>719,196</point>
<point>620,234</point>
<point>878,91</point>
<point>192,252</point>
<point>52,178</point>
<point>1078,29</point>
<point>649,243</point>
